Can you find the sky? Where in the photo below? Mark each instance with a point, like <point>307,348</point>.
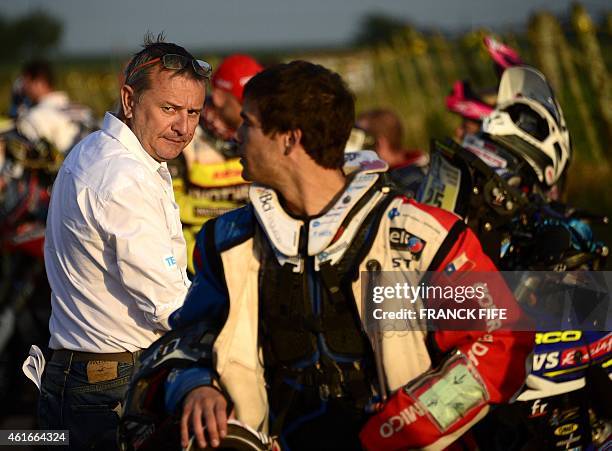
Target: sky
<point>118,26</point>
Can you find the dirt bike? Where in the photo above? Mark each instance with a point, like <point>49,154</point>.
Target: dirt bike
<point>566,402</point>
<point>24,290</point>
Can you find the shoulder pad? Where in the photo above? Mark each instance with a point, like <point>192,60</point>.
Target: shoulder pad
<point>234,227</point>
<point>409,209</point>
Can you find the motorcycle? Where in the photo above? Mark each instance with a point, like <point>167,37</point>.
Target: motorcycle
<point>24,290</point>
<point>565,402</point>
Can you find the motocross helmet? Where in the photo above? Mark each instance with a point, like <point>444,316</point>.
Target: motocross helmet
<point>240,437</point>
<point>530,123</point>
<point>145,425</point>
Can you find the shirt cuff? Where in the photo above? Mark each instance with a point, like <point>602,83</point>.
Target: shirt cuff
<point>162,314</point>
<point>181,382</point>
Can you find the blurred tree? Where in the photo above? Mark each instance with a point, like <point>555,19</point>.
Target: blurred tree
<point>28,36</point>
<point>5,37</point>
<point>607,23</point>
<point>376,28</point>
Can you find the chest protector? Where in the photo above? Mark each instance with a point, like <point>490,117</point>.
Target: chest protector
<point>308,313</point>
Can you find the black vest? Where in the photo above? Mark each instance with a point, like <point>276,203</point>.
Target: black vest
<point>310,328</point>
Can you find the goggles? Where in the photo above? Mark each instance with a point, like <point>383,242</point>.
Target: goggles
<point>177,62</point>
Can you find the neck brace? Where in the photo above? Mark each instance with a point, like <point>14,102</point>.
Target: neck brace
<point>328,235</point>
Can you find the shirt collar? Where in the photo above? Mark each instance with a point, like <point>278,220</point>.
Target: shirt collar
<point>122,133</point>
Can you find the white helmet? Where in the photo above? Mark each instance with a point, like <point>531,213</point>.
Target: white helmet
<point>529,122</point>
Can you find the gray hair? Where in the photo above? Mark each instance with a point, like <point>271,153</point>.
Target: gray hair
<point>153,47</point>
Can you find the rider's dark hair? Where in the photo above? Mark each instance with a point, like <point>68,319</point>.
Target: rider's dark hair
<point>309,97</point>
<point>39,70</point>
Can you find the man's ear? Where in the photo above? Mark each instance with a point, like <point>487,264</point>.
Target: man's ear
<point>295,137</point>
<point>292,138</point>
<point>127,101</point>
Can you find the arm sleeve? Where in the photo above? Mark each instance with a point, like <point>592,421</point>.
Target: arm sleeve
<point>207,297</point>
<point>182,381</point>
<point>139,229</point>
<point>207,300</point>
<point>478,368</point>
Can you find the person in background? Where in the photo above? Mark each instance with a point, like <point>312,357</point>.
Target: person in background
<point>211,183</point>
<point>407,167</point>
<point>51,116</point>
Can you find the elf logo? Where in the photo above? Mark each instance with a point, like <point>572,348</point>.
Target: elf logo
<point>401,240</point>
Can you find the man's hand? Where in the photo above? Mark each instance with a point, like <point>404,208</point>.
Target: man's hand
<point>209,403</point>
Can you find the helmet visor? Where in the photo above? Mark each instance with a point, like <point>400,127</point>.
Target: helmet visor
<point>524,81</point>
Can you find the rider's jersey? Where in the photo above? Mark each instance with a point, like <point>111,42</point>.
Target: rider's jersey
<point>57,120</point>
<point>408,239</point>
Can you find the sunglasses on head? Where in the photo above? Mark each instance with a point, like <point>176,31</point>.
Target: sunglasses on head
<point>177,62</point>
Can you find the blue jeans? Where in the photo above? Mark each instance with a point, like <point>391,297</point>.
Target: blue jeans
<point>90,411</point>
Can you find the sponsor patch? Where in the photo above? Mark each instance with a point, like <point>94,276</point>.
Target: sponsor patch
<point>566,429</point>
<point>557,336</point>
<point>372,165</point>
<point>538,408</point>
<point>265,198</point>
<point>459,263</point>
<point>401,240</point>
<point>394,213</point>
<point>415,245</point>
<point>206,212</point>
<point>479,148</point>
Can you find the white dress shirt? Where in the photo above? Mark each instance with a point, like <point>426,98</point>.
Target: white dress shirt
<point>50,120</point>
<point>114,249</point>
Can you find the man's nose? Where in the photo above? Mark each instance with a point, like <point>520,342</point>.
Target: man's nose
<point>181,123</point>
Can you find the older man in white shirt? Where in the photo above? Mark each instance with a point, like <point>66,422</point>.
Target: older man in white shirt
<point>114,250</point>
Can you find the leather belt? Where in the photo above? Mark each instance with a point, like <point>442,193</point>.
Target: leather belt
<point>65,355</point>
